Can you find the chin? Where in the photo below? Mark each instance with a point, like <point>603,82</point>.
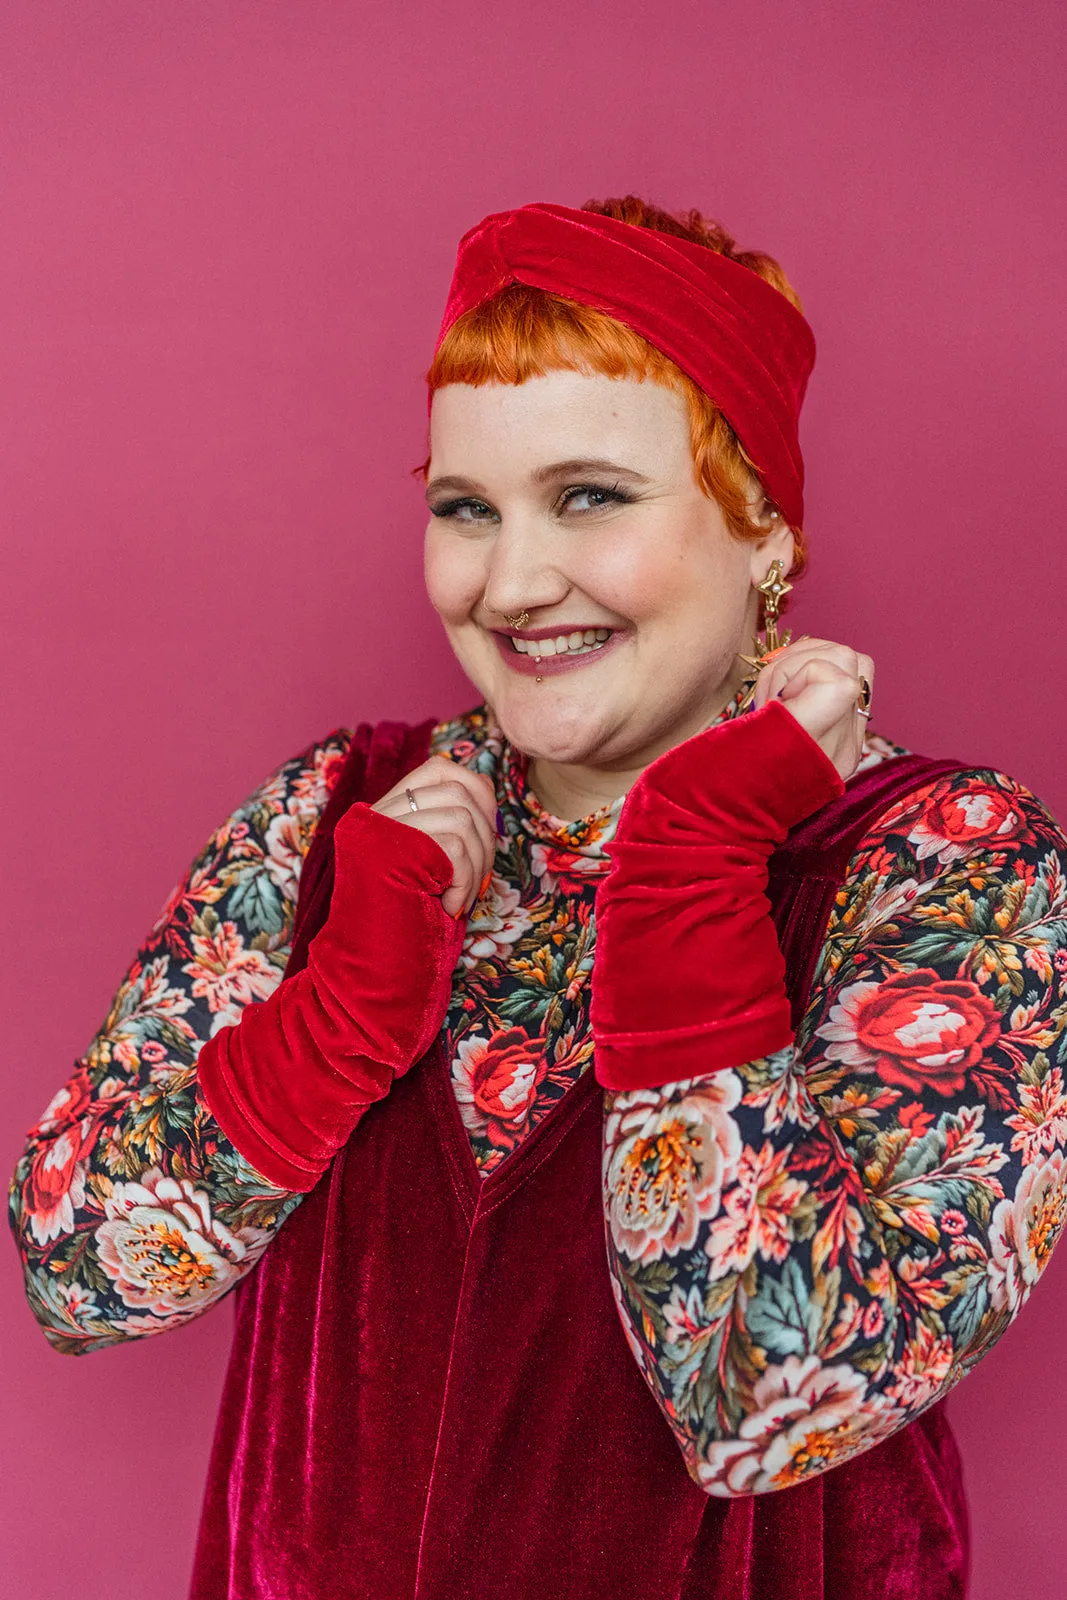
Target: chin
<point>572,735</point>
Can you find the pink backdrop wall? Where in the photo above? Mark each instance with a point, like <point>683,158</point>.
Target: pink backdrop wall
<point>227,233</point>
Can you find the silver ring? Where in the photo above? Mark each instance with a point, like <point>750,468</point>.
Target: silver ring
<point>860,713</point>
<point>411,800</point>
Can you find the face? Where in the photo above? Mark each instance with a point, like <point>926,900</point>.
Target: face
<point>573,497</point>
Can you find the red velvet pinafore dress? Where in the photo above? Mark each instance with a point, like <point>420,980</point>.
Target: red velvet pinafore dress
<point>430,1395</point>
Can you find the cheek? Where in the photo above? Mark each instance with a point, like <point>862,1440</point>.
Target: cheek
<point>455,574</point>
<point>666,571</point>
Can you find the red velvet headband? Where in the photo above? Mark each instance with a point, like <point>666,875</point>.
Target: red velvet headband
<point>737,337</point>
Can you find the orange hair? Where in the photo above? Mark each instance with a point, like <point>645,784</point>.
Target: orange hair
<point>525,333</point>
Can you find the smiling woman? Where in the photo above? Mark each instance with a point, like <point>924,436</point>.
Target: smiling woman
<point>633,547</point>
<point>640,1095</point>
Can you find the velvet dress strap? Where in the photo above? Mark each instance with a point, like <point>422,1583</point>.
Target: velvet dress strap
<point>379,756</point>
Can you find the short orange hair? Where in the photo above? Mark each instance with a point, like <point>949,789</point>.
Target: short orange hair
<point>525,333</point>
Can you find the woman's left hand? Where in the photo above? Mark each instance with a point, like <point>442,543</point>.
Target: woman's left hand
<point>819,683</point>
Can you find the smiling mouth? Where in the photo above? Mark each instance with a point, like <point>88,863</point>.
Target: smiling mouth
<point>576,643</point>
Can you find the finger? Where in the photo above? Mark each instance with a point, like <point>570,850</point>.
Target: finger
<point>451,798</point>
<point>793,656</point>
<point>460,847</point>
<point>789,659</point>
<point>784,678</point>
<point>824,701</point>
<point>439,769</point>
<point>821,669</point>
<point>446,813</point>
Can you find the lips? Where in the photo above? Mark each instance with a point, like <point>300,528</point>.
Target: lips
<point>550,666</point>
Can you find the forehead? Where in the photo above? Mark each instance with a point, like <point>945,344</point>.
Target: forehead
<point>562,416</point>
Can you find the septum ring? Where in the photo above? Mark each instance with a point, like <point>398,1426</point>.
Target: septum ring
<point>863,704</point>
<point>411,800</point>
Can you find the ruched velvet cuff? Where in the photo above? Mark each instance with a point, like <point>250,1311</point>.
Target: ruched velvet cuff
<point>688,976</point>
<point>290,1081</point>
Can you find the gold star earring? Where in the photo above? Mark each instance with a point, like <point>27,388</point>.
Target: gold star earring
<point>774,589</point>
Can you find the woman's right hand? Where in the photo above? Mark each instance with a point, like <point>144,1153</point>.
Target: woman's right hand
<point>457,809</point>
<point>291,1081</point>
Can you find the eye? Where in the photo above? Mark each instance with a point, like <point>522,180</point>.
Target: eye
<point>466,510</point>
<point>595,495</point>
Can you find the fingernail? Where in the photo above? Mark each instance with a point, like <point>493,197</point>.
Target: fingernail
<point>457,914</point>
<point>499,820</point>
<point>486,881</point>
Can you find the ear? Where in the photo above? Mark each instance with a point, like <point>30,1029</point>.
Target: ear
<point>776,544</point>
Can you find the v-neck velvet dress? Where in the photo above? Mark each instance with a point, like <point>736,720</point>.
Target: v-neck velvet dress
<point>430,1394</point>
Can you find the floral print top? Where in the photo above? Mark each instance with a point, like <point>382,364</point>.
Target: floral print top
<point>806,1250</point>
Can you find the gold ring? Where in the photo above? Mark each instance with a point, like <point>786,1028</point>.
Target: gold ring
<point>863,704</point>
<point>411,800</point>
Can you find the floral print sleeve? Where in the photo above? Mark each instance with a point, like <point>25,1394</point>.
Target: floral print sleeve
<point>810,1250</point>
<point>132,1211</point>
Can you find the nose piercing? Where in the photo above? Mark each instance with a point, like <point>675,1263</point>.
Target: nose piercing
<point>518,622</point>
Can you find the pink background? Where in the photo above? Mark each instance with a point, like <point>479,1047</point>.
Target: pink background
<point>227,234</point>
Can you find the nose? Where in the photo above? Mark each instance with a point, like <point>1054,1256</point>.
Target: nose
<point>519,575</point>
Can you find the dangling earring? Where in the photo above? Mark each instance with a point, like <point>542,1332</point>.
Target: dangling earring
<point>774,588</point>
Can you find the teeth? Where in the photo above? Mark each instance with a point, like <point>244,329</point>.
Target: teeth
<point>577,643</point>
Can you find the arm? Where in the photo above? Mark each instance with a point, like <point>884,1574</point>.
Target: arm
<point>889,1187</point>
<point>132,1211</point>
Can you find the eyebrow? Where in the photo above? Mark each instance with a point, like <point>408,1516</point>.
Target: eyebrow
<point>548,474</point>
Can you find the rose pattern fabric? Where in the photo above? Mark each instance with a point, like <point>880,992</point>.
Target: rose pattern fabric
<point>163,1249</point>
<point>805,1251</point>
<point>132,1209</point>
<point>496,1081</point>
<point>902,1177</point>
<point>913,1030</point>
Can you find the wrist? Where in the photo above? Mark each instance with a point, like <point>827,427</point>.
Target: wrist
<point>403,857</point>
<point>751,778</point>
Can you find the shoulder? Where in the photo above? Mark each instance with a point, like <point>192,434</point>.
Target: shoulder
<point>964,872</point>
<point>965,826</point>
<point>270,832</point>
<point>966,811</point>
<point>301,786</point>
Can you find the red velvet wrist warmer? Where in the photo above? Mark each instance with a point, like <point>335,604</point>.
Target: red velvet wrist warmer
<point>688,976</point>
<point>290,1082</point>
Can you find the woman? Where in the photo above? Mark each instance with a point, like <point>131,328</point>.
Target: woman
<point>795,1055</point>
